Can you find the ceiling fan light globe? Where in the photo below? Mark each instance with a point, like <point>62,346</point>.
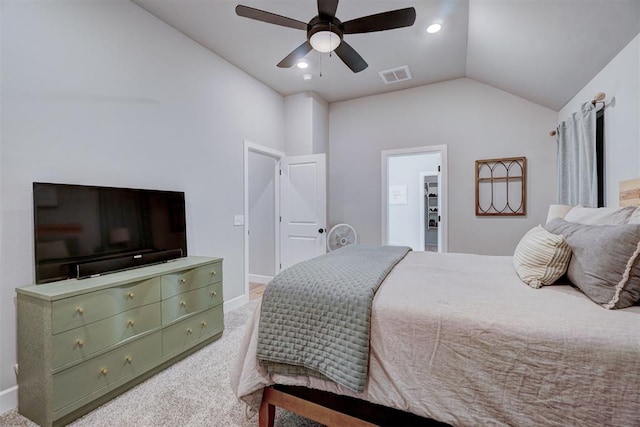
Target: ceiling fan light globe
<point>325,41</point>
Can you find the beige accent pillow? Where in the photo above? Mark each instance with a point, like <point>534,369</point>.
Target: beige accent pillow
<point>541,257</point>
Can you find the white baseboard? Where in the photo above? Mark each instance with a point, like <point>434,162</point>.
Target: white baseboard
<point>257,278</point>
<point>8,399</point>
<point>235,303</point>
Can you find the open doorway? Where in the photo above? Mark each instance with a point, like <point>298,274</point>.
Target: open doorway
<point>414,198</point>
<point>261,214</point>
<point>284,212</point>
<point>429,196</point>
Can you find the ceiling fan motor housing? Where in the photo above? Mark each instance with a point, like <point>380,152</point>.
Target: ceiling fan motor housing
<point>325,24</point>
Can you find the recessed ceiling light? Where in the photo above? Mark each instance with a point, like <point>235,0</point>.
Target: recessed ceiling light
<point>303,64</point>
<point>434,28</point>
<point>307,76</point>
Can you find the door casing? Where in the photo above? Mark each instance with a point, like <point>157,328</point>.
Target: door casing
<point>278,156</point>
<point>443,198</point>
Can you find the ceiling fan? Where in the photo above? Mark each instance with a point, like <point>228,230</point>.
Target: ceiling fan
<point>325,32</point>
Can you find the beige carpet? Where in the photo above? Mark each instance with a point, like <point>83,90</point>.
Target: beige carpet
<point>193,392</point>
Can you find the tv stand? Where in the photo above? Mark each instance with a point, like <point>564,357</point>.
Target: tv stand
<point>83,342</point>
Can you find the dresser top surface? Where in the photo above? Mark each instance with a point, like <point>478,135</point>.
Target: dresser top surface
<point>72,287</point>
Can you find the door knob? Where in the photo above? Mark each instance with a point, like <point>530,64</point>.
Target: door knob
<point>321,230</point>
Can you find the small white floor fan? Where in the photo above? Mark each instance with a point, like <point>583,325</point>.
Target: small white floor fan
<point>341,235</point>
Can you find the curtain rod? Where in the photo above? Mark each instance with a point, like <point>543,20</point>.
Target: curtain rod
<point>599,97</point>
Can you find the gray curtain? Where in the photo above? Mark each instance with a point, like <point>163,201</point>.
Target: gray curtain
<point>577,169</point>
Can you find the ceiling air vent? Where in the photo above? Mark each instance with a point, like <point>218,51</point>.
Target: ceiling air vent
<point>396,75</point>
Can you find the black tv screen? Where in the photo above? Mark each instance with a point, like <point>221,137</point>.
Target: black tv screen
<point>79,228</point>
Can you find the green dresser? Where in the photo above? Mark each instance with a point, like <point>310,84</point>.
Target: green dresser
<point>82,342</point>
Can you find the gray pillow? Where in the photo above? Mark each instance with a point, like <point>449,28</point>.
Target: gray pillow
<point>604,262</point>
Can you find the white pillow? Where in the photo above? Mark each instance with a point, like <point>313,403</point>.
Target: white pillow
<point>541,257</point>
<point>599,216</point>
<point>634,218</point>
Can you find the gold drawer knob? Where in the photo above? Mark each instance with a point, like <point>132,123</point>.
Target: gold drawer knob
<point>104,371</point>
<point>131,322</point>
<point>79,310</point>
<point>213,293</point>
<point>204,324</point>
<point>183,280</point>
<point>189,331</point>
<point>183,304</point>
<point>131,295</point>
<point>128,359</point>
<point>80,343</point>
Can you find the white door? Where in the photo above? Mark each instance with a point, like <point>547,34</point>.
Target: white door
<point>303,204</point>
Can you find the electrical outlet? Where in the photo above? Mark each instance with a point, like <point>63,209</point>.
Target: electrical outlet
<point>238,220</point>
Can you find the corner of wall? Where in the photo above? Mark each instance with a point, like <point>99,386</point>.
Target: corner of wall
<point>306,124</point>
<point>320,125</point>
<point>8,399</point>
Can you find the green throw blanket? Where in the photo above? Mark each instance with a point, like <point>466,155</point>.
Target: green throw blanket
<point>315,317</point>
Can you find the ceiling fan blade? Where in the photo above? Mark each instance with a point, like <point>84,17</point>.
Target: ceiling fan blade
<point>270,18</point>
<point>381,21</point>
<point>350,57</point>
<point>327,8</point>
<point>297,54</point>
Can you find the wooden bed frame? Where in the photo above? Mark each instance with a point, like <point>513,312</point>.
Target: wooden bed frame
<point>333,410</point>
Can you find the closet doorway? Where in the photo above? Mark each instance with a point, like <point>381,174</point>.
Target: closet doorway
<point>430,207</point>
<point>414,198</point>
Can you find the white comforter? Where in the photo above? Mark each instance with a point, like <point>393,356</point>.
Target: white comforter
<point>459,338</point>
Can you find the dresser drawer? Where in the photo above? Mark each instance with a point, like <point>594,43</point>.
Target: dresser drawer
<point>188,332</point>
<point>77,343</point>
<point>173,284</point>
<point>70,313</point>
<point>191,302</point>
<point>89,377</point>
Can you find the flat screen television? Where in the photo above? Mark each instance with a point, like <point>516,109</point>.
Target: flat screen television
<point>82,230</point>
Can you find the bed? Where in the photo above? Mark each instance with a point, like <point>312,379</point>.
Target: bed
<point>461,339</point>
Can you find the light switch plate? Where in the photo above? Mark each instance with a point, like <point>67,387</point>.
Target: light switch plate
<point>238,220</point>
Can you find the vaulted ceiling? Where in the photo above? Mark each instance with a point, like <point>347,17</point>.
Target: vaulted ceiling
<point>541,50</point>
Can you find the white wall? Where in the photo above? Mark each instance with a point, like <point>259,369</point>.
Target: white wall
<point>320,114</point>
<point>306,124</point>
<point>404,219</point>
<point>475,121</point>
<point>8,392</point>
<point>620,79</point>
<point>100,92</point>
<point>262,255</point>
